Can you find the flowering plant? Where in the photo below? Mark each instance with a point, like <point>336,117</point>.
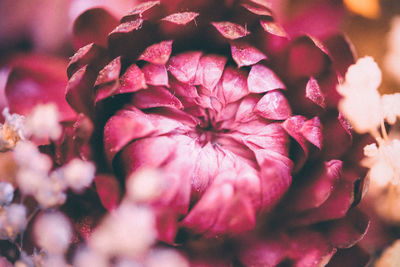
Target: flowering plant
<point>221,126</point>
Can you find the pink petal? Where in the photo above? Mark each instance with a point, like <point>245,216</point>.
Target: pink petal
<point>132,80</point>
<point>184,89</point>
<point>157,53</point>
<point>127,27</point>
<point>143,7</point>
<point>234,84</point>
<point>109,190</point>
<point>184,66</point>
<point>273,28</point>
<point>89,54</point>
<point>312,131</point>
<point>313,92</point>
<point>79,92</point>
<point>341,51</point>
<point>109,73</point>
<point>181,18</point>
<point>155,97</point>
<point>245,110</point>
<point>273,106</point>
<point>206,211</point>
<point>230,30</point>
<point>148,152</point>
<point>245,55</point>
<point>93,26</point>
<point>209,70</point>
<point>258,10</point>
<point>155,74</point>
<point>317,189</point>
<point>293,127</point>
<point>127,125</point>
<point>34,80</point>
<point>262,79</point>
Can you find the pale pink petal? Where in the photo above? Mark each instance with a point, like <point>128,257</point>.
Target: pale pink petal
<point>262,79</point>
<point>312,131</point>
<point>155,97</point>
<point>246,55</point>
<point>273,28</point>
<point>209,70</point>
<point>245,112</point>
<point>234,84</point>
<point>155,74</point>
<point>157,53</point>
<point>313,92</point>
<point>230,30</point>
<point>132,80</point>
<point>184,66</point>
<point>273,106</point>
<point>182,18</point>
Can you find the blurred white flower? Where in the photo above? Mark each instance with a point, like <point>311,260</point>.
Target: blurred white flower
<point>361,103</point>
<point>144,185</point>
<point>44,122</point>
<point>12,130</point>
<point>78,174</point>
<point>88,257</point>
<point>127,232</point>
<point>391,107</point>
<point>53,233</point>
<point>6,193</point>
<point>28,156</point>
<point>12,221</point>
<point>166,258</point>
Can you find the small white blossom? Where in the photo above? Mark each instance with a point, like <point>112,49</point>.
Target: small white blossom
<point>44,122</point>
<point>384,162</point>
<point>52,232</point>
<point>144,185</point>
<point>88,257</point>
<point>127,232</point>
<point>78,174</point>
<point>12,221</point>
<point>391,107</point>
<point>166,258</point>
<point>12,130</point>
<point>27,156</point>
<point>361,103</point>
<point>6,193</point>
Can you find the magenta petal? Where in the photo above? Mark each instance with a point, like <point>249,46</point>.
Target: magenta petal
<point>316,190</point>
<point>184,66</point>
<point>143,7</point>
<point>157,53</point>
<point>262,79</point>
<point>109,190</point>
<point>209,70</point>
<point>245,110</point>
<point>293,127</point>
<point>312,131</point>
<point>155,74</point>
<point>93,26</point>
<point>273,106</point>
<point>181,18</point>
<point>127,125</point>
<point>273,28</point>
<point>109,73</point>
<point>230,30</point>
<point>266,252</point>
<point>206,211</point>
<point>126,27</point>
<point>155,97</point>
<point>245,55</point>
<point>90,54</point>
<point>131,81</point>
<point>36,80</point>
<point>313,92</point>
<point>184,89</point>
<point>234,84</point>
<point>275,179</point>
<point>79,92</point>
<point>148,152</point>
<point>258,10</point>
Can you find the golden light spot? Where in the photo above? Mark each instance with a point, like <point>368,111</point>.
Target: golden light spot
<point>367,8</point>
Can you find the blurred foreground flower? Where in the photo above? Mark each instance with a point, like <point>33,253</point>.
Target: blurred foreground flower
<point>238,119</point>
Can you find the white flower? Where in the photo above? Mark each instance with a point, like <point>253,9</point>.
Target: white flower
<point>11,131</point>
<point>127,232</point>
<point>52,232</point>
<point>391,107</point>
<point>78,174</point>
<point>361,103</point>
<point>12,221</point>
<point>44,123</point>
<point>6,193</point>
<point>166,258</point>
<point>88,257</point>
<point>27,156</point>
<point>144,185</point>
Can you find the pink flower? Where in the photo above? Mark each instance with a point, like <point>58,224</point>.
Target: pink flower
<point>238,119</point>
